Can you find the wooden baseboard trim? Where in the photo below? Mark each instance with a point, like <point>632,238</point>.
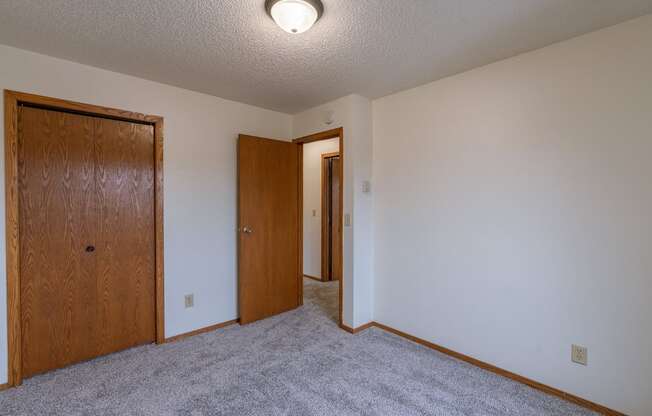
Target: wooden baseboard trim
<point>200,331</point>
<point>486,366</point>
<point>489,367</point>
<point>313,277</point>
<point>358,329</point>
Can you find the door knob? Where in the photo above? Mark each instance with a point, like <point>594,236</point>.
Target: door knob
<point>247,230</point>
<point>90,249</point>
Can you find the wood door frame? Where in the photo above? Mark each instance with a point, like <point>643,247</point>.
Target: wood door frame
<point>324,135</point>
<point>324,208</point>
<point>13,100</point>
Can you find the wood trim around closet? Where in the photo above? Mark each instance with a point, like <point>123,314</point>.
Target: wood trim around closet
<point>12,101</point>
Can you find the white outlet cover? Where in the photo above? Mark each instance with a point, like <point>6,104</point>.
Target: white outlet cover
<point>579,354</point>
<point>189,301</point>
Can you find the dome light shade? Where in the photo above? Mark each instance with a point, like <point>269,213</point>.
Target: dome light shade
<point>294,16</point>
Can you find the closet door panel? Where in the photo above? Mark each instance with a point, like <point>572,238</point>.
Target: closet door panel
<point>125,240</point>
<point>57,217</point>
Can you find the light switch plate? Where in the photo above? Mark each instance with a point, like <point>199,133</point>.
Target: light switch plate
<point>347,220</point>
<point>579,355</point>
<point>190,300</point>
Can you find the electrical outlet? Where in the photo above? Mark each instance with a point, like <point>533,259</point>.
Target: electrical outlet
<point>190,300</point>
<point>579,354</point>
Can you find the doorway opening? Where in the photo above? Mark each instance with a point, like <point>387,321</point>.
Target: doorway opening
<point>271,274</point>
<point>322,220</point>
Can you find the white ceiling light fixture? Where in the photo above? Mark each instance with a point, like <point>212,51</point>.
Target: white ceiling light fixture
<point>294,16</point>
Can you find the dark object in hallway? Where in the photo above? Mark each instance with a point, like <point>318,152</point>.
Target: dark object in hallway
<point>331,233</point>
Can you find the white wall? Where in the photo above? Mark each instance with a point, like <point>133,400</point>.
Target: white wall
<point>509,213</point>
<point>513,214</point>
<point>199,171</point>
<point>312,171</point>
<point>353,113</point>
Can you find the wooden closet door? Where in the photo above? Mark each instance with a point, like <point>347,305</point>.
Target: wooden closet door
<point>125,248</point>
<point>86,206</point>
<point>58,215</point>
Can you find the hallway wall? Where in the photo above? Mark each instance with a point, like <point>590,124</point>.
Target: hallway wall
<point>312,183</point>
<point>353,114</point>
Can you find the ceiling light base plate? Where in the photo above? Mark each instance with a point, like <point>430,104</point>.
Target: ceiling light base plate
<point>294,16</point>
<point>317,4</point>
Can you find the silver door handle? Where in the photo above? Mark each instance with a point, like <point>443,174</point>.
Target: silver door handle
<point>247,230</point>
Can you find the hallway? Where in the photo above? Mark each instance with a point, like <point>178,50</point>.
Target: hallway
<point>322,295</point>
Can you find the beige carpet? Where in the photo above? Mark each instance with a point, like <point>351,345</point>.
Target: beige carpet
<point>299,363</point>
<point>324,295</point>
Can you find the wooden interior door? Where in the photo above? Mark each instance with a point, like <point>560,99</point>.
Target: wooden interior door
<point>86,238</point>
<point>335,220</point>
<point>269,250</point>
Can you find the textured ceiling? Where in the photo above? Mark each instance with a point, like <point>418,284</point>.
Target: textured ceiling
<point>231,49</point>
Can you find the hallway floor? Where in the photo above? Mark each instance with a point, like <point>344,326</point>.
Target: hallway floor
<point>324,295</point>
<point>298,363</point>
